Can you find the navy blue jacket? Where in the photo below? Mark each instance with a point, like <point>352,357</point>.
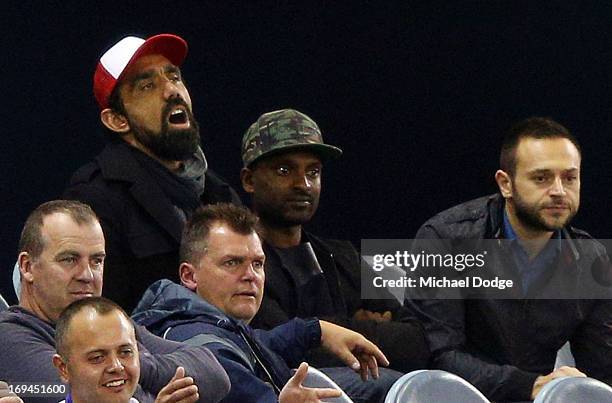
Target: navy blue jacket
<point>257,361</point>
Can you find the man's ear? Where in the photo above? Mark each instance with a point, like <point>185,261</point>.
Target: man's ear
<point>246,177</point>
<point>187,275</point>
<point>25,262</point>
<point>114,121</point>
<point>60,365</point>
<point>504,183</point>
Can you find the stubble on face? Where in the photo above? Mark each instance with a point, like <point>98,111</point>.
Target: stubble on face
<point>532,216</point>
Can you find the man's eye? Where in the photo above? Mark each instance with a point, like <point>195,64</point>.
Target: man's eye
<point>540,178</point>
<point>283,171</point>
<point>258,264</point>
<point>97,262</point>
<point>146,86</point>
<point>68,259</point>
<point>96,359</point>
<point>314,173</point>
<point>175,78</point>
<point>126,353</point>
<point>231,262</point>
<point>571,179</point>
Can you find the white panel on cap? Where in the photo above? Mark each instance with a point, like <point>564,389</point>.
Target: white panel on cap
<point>116,58</point>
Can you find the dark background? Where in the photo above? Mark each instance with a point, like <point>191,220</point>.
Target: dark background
<point>415,93</point>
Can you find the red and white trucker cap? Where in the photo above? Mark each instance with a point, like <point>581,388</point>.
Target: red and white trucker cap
<point>117,59</point>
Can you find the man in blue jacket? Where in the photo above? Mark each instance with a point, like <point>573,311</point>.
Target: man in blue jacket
<point>222,272</point>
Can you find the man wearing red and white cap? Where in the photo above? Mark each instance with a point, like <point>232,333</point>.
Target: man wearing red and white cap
<point>152,174</point>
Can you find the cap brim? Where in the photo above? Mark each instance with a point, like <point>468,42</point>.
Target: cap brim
<point>172,47</point>
<point>324,151</point>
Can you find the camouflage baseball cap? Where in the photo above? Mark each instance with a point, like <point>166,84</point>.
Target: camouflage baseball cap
<point>284,130</point>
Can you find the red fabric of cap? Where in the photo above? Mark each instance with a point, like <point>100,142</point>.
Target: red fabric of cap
<point>172,47</point>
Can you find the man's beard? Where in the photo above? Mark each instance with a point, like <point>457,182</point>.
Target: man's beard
<point>531,216</point>
<point>169,144</point>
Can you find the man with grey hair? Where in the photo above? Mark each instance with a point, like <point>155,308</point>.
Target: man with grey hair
<point>61,259</point>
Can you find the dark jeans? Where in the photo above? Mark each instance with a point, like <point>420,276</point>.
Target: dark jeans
<point>371,391</point>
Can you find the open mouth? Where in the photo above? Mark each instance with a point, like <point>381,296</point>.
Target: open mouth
<point>114,384</point>
<point>178,116</point>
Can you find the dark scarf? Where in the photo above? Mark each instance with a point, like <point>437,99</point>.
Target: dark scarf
<point>183,188</point>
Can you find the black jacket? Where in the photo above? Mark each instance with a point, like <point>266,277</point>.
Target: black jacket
<point>402,340</point>
<point>502,345</point>
<point>141,228</point>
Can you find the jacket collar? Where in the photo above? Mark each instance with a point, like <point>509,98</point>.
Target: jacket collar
<point>165,302</point>
<point>117,162</point>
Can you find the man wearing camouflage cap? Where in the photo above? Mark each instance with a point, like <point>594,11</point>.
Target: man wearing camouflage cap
<point>283,153</point>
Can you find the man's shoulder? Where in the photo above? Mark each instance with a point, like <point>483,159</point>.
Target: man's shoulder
<point>467,220</point>
<point>17,319</point>
<point>333,245</point>
<point>114,162</point>
<point>586,242</point>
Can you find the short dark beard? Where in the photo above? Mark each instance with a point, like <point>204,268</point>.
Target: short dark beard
<point>168,144</point>
<point>530,218</point>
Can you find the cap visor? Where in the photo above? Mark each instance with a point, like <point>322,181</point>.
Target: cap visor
<point>324,151</point>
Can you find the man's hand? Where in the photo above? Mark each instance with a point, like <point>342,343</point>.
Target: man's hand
<point>294,392</point>
<point>355,350</point>
<point>6,396</point>
<point>364,314</point>
<point>180,389</point>
<point>558,373</point>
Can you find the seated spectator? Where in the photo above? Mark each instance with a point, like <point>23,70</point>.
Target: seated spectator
<point>507,347</point>
<point>97,356</point>
<point>222,272</point>
<point>306,275</point>
<point>62,260</point>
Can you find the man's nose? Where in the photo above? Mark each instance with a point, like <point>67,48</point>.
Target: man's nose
<point>251,272</point>
<point>302,181</point>
<point>115,365</point>
<point>86,272</point>
<point>171,90</point>
<point>557,188</point>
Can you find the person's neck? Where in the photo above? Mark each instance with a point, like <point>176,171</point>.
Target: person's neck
<point>28,303</point>
<point>172,166</point>
<point>279,237</point>
<point>531,239</point>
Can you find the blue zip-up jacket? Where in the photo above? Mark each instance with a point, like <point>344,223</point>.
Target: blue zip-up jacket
<point>256,361</point>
